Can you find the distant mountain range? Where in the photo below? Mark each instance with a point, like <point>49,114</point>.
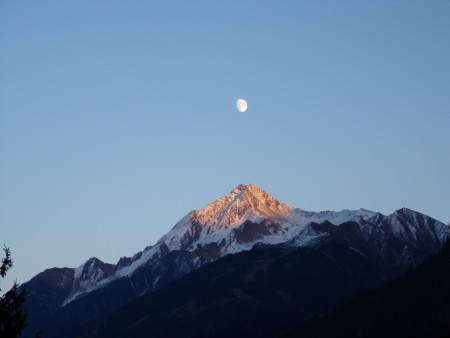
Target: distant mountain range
<point>62,301</point>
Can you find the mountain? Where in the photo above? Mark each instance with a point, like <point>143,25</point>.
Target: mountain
<point>232,224</point>
<point>415,305</point>
<point>256,293</point>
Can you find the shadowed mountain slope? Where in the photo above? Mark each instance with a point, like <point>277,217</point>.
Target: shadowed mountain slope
<point>416,305</point>
<point>254,293</point>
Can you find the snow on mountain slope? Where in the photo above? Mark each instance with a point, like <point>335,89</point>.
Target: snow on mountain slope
<point>236,222</point>
<point>246,216</point>
<point>87,276</point>
<point>416,229</point>
<point>245,202</point>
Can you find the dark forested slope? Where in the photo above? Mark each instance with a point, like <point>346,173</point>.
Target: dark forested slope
<point>416,305</point>
<point>256,293</point>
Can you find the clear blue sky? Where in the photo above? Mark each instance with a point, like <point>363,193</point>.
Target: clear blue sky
<point>117,117</point>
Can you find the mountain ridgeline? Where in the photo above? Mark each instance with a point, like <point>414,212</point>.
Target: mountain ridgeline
<point>370,248</point>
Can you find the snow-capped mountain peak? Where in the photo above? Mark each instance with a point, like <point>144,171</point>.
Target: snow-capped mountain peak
<point>245,202</point>
<point>88,275</point>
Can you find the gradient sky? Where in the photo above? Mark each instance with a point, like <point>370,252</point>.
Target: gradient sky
<point>118,117</point>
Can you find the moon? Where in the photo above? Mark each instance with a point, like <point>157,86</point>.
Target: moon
<point>241,105</point>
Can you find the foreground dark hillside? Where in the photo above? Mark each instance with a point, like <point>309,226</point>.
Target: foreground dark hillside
<point>256,293</point>
<point>416,305</point>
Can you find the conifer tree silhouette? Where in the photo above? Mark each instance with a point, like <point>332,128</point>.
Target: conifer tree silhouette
<point>12,318</point>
